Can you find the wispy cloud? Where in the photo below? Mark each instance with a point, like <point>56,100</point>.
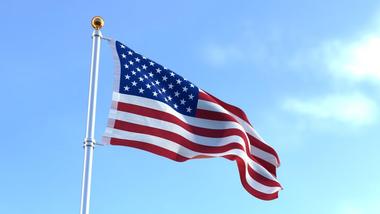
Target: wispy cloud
<point>353,109</point>
<point>356,60</point>
<point>355,57</point>
<point>246,46</point>
<point>218,55</point>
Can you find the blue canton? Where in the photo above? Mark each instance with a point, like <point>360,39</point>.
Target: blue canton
<point>143,77</point>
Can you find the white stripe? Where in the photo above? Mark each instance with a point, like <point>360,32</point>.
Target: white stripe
<point>207,105</point>
<point>196,139</point>
<point>199,122</point>
<point>168,126</point>
<point>157,105</point>
<point>210,106</point>
<point>268,157</point>
<point>176,148</point>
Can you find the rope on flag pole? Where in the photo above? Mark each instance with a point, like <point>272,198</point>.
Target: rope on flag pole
<point>89,142</point>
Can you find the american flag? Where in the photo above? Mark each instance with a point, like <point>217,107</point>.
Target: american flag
<point>157,110</point>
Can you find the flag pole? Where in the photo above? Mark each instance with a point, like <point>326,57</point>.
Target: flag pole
<point>89,142</point>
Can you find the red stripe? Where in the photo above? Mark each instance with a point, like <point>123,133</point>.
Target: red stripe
<point>222,117</point>
<point>217,133</point>
<point>233,109</point>
<point>174,137</point>
<point>152,113</point>
<point>213,115</point>
<point>176,157</point>
<point>268,166</point>
<point>148,147</point>
<point>259,144</point>
<point>126,126</point>
<point>243,179</point>
<point>206,114</point>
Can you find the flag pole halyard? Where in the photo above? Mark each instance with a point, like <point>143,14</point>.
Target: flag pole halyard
<point>89,142</point>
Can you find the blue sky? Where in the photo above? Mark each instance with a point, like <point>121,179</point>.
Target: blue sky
<point>307,73</point>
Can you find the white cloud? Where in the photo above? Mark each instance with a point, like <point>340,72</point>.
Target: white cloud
<point>218,55</point>
<point>357,60</point>
<point>354,109</point>
<point>354,60</point>
<point>355,57</point>
<point>246,46</point>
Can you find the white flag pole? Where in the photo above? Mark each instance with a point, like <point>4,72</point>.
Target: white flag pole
<point>89,141</point>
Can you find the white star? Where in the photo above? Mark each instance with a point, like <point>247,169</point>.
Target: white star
<point>188,109</point>
<point>130,53</point>
<point>164,78</point>
<point>191,96</point>
<point>172,74</point>
<point>150,74</point>
<point>134,83</point>
<point>122,46</point>
<point>163,90</point>
<point>144,57</point>
<point>127,77</point>
<point>159,91</point>
<point>144,67</point>
<point>133,72</point>
<point>158,70</point>
<point>170,98</point>
<point>184,89</point>
<point>171,86</point>
<point>141,79</point>
<point>191,85</point>
<point>138,69</point>
<point>157,82</point>
<point>182,102</point>
<point>179,81</point>
<point>126,66</point>
<point>176,94</point>
<point>166,100</point>
<point>130,62</point>
<point>148,86</point>
<point>145,76</point>
<point>126,88</point>
<point>175,106</point>
<point>151,63</point>
<point>124,56</point>
<point>152,83</point>
<point>154,93</point>
<point>165,68</point>
<point>137,59</point>
<point>141,90</point>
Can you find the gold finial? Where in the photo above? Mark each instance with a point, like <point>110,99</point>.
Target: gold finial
<point>97,22</point>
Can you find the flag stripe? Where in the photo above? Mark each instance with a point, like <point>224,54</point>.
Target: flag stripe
<point>262,157</point>
<point>233,109</point>
<point>212,125</point>
<point>144,102</point>
<point>153,113</point>
<point>177,157</point>
<point>180,140</point>
<point>159,110</point>
<point>185,138</point>
<point>208,106</point>
<point>190,154</point>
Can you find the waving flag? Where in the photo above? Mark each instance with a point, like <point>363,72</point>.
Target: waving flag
<point>157,110</point>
